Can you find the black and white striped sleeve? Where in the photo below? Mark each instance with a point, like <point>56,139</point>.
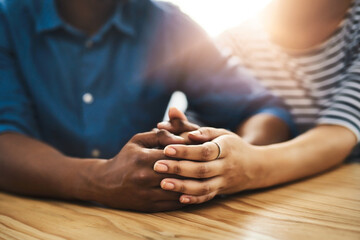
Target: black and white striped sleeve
<point>344,110</point>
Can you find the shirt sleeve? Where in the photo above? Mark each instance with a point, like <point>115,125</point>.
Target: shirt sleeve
<point>219,90</point>
<point>16,114</point>
<point>344,109</point>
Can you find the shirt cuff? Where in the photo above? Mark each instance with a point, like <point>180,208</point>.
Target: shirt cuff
<point>283,115</point>
<point>342,123</point>
<point>4,128</point>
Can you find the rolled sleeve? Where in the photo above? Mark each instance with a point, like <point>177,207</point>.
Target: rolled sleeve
<point>16,110</point>
<point>282,114</point>
<point>345,106</point>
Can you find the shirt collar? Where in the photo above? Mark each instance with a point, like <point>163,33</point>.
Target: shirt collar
<point>123,18</point>
<point>48,18</point>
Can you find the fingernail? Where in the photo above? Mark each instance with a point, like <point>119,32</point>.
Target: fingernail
<point>168,186</point>
<point>185,200</point>
<point>170,151</point>
<point>160,167</point>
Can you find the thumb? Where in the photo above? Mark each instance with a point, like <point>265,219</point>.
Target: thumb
<point>175,113</point>
<point>205,134</point>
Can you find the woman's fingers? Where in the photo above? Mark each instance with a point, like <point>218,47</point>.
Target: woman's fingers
<point>204,152</point>
<point>205,134</point>
<point>189,199</point>
<point>189,168</point>
<point>192,187</point>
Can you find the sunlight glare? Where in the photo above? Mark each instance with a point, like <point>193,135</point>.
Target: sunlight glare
<point>215,16</point>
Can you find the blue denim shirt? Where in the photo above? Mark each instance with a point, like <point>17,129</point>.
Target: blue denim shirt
<point>85,95</point>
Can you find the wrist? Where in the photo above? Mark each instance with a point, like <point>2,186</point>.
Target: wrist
<point>257,167</point>
<point>273,164</point>
<point>86,184</point>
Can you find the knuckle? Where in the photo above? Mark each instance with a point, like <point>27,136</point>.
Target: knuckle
<point>141,177</point>
<point>131,147</point>
<point>182,188</point>
<point>181,125</point>
<point>196,200</point>
<point>202,131</point>
<point>206,152</point>
<point>138,161</point>
<point>141,158</point>
<point>205,189</point>
<point>161,133</point>
<point>177,123</point>
<point>136,137</point>
<point>208,197</point>
<point>220,188</point>
<point>205,131</point>
<point>163,137</point>
<point>184,152</point>
<point>202,171</point>
<point>176,169</point>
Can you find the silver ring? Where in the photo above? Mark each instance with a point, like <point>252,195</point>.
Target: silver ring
<point>218,145</point>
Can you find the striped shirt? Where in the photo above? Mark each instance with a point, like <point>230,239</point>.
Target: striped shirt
<point>321,85</point>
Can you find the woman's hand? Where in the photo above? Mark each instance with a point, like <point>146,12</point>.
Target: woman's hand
<point>221,165</point>
<point>178,124</point>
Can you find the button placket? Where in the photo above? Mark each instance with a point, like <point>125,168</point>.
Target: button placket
<point>95,153</point>
<point>88,96</point>
<point>89,43</point>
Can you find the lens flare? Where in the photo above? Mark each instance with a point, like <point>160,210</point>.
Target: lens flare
<point>215,16</point>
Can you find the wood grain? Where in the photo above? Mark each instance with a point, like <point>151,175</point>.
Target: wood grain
<point>323,207</point>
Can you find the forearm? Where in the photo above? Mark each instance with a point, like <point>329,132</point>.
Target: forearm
<point>30,167</point>
<point>264,129</point>
<point>314,151</point>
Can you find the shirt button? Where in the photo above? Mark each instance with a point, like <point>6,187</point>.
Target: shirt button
<point>95,153</point>
<point>89,44</point>
<point>88,98</point>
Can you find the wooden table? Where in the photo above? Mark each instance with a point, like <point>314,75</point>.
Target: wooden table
<point>323,207</point>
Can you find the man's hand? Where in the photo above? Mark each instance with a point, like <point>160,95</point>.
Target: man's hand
<point>178,123</point>
<point>128,181</point>
<point>31,167</point>
<point>207,172</point>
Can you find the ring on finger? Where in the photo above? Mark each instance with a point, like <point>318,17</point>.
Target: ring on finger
<point>218,145</point>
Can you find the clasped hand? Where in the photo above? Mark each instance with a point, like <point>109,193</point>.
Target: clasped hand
<point>171,166</point>
<point>207,170</point>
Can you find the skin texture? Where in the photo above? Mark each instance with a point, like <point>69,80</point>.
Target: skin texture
<point>243,166</point>
<point>295,25</point>
<point>126,181</point>
<point>197,160</point>
<point>260,129</point>
<point>263,129</point>
<point>132,181</point>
